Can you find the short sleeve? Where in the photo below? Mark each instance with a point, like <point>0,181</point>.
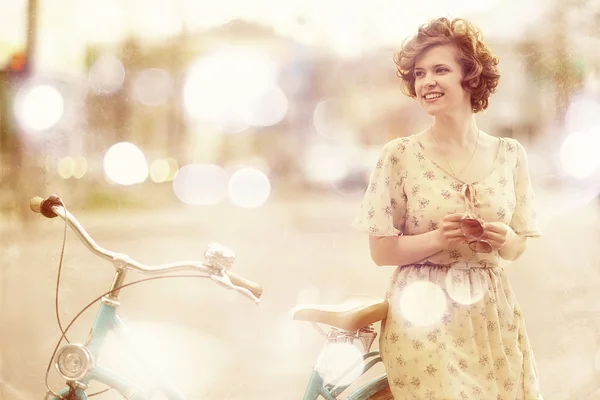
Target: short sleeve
<point>524,221</point>
<point>383,208</point>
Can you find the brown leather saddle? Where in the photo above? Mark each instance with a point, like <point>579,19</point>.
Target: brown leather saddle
<point>354,313</point>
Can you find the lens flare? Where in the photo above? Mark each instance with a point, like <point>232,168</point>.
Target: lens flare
<point>39,107</point>
<point>152,86</point>
<point>66,167</point>
<point>80,168</point>
<point>578,154</point>
<point>218,91</point>
<point>106,75</point>
<point>423,303</point>
<point>464,286</point>
<point>170,351</point>
<point>160,171</point>
<point>125,164</point>
<point>340,363</point>
<point>249,188</point>
<point>267,108</point>
<point>201,184</point>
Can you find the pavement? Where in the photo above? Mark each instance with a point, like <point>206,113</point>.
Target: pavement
<point>216,344</point>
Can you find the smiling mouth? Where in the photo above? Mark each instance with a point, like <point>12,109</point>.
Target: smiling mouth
<point>433,96</point>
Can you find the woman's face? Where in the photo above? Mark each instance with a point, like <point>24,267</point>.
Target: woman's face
<point>438,78</point>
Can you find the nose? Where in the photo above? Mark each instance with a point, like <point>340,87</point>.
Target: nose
<point>429,83</point>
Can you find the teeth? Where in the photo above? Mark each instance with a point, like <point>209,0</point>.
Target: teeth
<point>433,96</point>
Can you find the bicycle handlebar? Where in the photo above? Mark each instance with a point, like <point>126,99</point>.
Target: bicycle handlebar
<point>219,258</point>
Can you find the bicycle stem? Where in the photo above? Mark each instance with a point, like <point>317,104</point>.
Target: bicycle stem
<point>115,288</point>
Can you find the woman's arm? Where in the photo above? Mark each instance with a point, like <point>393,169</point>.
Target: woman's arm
<point>408,249</point>
<point>403,250</point>
<point>514,247</point>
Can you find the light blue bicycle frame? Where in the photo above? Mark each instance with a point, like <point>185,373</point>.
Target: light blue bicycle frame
<point>107,320</point>
<point>330,391</point>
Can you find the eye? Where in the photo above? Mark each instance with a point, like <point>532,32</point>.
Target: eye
<point>418,73</point>
<point>443,69</point>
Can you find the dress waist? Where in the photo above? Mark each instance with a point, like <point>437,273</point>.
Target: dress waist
<point>462,265</point>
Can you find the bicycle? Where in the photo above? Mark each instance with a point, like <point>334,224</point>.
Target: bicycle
<point>76,362</point>
<point>350,322</point>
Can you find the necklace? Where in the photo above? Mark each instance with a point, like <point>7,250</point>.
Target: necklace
<point>446,161</point>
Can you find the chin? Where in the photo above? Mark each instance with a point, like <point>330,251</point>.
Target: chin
<point>433,111</point>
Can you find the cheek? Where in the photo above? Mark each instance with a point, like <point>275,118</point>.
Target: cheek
<point>418,86</point>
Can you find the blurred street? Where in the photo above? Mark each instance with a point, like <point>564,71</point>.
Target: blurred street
<point>216,344</point>
<point>167,125</point>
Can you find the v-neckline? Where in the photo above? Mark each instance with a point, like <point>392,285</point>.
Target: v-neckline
<point>493,168</point>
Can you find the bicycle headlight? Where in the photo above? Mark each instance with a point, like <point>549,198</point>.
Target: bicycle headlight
<point>73,361</point>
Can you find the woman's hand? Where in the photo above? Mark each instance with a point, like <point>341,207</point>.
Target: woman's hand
<point>449,231</point>
<point>496,233</point>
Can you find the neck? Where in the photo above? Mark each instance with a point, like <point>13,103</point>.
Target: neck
<point>456,130</point>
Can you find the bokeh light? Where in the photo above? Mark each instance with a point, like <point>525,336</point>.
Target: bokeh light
<point>159,171</point>
<point>152,86</point>
<point>267,108</point>
<point>337,359</point>
<point>163,170</point>
<point>170,351</point>
<point>66,167</point>
<point>249,188</point>
<point>423,303</point>
<point>328,118</point>
<point>579,153</point>
<point>325,164</point>
<point>39,107</point>
<point>583,114</point>
<point>106,75</point>
<point>464,286</point>
<point>221,91</point>
<point>201,184</point>
<point>80,167</point>
<point>125,164</point>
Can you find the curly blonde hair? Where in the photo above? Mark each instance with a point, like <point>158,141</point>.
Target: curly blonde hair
<point>479,65</point>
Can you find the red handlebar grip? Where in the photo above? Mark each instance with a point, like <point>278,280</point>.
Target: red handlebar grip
<point>44,207</point>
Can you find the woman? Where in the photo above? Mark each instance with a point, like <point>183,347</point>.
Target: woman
<point>447,206</point>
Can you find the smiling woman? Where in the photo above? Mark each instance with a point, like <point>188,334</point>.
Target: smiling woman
<point>463,46</point>
<point>447,206</point>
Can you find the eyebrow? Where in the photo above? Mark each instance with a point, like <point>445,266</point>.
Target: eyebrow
<point>435,66</point>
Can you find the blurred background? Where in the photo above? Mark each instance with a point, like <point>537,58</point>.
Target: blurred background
<point>165,125</point>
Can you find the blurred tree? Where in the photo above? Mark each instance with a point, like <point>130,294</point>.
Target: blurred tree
<point>550,56</point>
<point>17,168</point>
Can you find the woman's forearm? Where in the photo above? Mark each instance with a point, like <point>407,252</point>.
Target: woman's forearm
<point>403,250</point>
<point>514,247</point>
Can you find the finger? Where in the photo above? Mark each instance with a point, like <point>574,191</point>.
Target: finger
<point>494,237</point>
<point>450,226</point>
<point>455,233</point>
<point>453,217</point>
<point>489,227</point>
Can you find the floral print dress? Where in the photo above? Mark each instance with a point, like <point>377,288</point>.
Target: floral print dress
<point>454,329</point>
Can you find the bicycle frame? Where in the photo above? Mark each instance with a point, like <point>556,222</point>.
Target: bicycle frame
<point>317,387</point>
<point>106,321</point>
<point>77,363</point>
